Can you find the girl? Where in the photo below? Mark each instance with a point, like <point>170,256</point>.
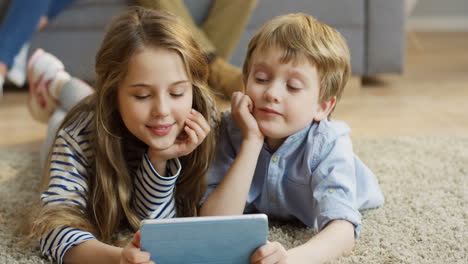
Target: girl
<point>138,147</point>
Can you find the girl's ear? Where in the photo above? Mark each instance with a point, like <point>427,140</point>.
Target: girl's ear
<point>324,109</point>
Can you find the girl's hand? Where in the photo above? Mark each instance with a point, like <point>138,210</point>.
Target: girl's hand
<point>131,254</point>
<point>241,109</point>
<point>195,130</point>
<point>271,252</point>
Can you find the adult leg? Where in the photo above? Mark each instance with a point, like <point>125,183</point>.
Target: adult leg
<point>71,93</point>
<point>18,27</point>
<point>178,8</point>
<point>226,22</point>
<point>224,26</point>
<point>58,6</point>
<point>50,86</point>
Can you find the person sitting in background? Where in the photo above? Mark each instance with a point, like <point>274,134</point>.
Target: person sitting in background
<point>22,19</point>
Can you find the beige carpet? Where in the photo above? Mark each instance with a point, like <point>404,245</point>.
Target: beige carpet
<point>424,220</point>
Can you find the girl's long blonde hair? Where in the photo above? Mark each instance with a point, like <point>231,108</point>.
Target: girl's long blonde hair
<point>111,186</point>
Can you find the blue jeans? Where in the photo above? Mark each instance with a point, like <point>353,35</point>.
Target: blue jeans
<point>20,22</point>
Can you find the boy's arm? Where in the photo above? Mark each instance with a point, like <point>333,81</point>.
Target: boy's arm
<point>230,195</point>
<point>334,187</point>
<point>335,240</point>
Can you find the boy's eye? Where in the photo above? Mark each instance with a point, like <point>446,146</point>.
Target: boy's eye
<point>260,80</point>
<point>294,88</point>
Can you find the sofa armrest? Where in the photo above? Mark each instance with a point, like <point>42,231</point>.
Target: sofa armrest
<point>385,36</point>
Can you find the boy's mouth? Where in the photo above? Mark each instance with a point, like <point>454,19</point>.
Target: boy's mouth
<point>268,111</point>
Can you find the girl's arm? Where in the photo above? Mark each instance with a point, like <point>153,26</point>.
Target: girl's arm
<point>335,240</point>
<point>93,251</point>
<point>230,195</point>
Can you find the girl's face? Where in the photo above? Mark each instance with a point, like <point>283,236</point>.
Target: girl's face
<point>155,97</point>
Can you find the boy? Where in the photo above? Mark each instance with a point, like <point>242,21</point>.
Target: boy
<point>279,154</point>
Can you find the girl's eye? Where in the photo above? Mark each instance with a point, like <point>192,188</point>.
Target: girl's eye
<point>141,97</point>
<point>177,94</point>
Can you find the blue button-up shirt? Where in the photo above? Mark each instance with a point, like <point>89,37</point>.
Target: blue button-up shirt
<point>314,176</point>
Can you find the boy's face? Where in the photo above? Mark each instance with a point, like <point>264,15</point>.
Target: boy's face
<point>285,95</point>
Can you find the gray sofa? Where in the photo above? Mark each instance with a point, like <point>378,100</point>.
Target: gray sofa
<point>374,30</point>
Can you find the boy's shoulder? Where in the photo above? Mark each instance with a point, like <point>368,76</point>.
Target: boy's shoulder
<point>330,130</point>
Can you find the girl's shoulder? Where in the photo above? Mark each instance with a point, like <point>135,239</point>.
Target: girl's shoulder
<point>79,124</point>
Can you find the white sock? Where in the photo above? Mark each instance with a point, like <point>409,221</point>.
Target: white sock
<point>17,73</point>
<point>60,78</point>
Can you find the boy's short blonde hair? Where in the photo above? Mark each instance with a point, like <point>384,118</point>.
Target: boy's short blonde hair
<point>302,36</point>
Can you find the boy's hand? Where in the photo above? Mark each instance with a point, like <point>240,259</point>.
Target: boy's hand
<point>241,108</point>
<point>131,254</point>
<point>271,252</point>
<point>195,130</point>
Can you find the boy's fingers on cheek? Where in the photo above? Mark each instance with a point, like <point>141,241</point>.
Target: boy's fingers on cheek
<point>244,102</point>
<point>235,98</point>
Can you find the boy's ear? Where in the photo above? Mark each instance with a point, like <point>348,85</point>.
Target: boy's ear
<point>324,109</point>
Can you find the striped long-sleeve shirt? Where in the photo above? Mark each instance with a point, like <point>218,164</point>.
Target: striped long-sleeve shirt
<point>69,171</point>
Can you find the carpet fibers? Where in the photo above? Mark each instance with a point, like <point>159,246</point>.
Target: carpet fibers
<point>424,219</point>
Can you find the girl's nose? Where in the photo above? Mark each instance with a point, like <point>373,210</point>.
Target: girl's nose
<point>160,108</point>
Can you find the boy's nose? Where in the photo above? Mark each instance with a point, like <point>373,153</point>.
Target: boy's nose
<point>273,92</point>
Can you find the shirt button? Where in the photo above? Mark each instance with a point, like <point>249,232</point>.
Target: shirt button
<point>331,190</point>
<point>275,159</point>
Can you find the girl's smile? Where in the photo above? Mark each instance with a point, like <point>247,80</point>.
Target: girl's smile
<point>161,130</point>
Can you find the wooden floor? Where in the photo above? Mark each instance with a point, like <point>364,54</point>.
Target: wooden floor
<point>429,98</point>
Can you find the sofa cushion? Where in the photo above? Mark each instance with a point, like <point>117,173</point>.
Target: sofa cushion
<point>332,12</point>
<point>87,15</point>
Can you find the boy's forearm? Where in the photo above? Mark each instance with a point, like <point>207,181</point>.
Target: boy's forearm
<point>335,240</point>
<point>230,195</point>
<point>93,251</point>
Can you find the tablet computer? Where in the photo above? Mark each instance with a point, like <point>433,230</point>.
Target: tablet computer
<point>210,239</point>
